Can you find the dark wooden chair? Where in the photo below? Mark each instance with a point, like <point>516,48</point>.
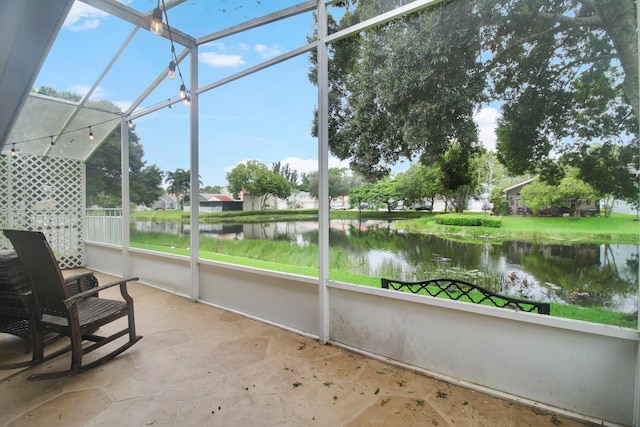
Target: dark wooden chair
<point>78,316</point>
<point>14,311</point>
<point>14,307</point>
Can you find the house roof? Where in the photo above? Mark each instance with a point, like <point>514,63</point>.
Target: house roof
<point>208,197</point>
<point>167,198</point>
<point>523,183</point>
<point>221,198</point>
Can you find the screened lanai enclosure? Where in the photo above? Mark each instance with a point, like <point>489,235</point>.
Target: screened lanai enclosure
<point>161,86</point>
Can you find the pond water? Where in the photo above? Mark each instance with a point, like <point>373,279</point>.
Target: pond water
<point>603,275</point>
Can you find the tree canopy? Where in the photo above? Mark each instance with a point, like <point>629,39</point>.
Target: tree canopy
<point>609,169</point>
<point>566,74</point>
<point>259,181</point>
<point>104,186</point>
<point>571,191</point>
<point>213,189</point>
<point>290,174</point>
<point>341,182</point>
<point>563,73</point>
<point>103,168</point>
<point>405,89</point>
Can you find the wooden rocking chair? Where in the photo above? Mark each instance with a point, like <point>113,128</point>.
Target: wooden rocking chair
<point>78,316</point>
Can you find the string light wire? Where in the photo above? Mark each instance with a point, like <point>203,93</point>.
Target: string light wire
<point>184,96</point>
<point>174,58</point>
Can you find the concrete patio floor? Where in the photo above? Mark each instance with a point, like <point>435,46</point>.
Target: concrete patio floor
<point>201,366</point>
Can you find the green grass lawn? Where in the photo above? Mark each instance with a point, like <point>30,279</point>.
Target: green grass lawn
<point>616,229</point>
<point>617,226</point>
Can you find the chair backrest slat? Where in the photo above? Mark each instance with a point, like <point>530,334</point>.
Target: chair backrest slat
<point>43,271</point>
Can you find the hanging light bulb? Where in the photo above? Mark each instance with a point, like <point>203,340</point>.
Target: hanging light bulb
<point>130,124</point>
<point>187,101</point>
<point>156,21</point>
<point>172,71</point>
<point>183,91</point>
<point>90,134</point>
<point>13,150</point>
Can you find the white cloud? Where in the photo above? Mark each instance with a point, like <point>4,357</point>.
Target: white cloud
<point>124,105</point>
<point>99,94</point>
<point>82,90</point>
<point>83,17</point>
<point>337,163</point>
<point>486,119</point>
<point>215,45</point>
<point>219,60</point>
<point>228,169</point>
<point>267,51</point>
<point>301,165</point>
<point>311,165</point>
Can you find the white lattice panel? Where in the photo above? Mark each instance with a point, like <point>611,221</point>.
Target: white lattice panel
<point>45,194</point>
<point>4,193</point>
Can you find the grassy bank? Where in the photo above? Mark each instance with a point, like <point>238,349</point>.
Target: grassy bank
<point>616,229</point>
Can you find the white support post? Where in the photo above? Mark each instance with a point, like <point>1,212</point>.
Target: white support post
<point>323,171</point>
<point>10,188</point>
<point>126,238</point>
<point>194,236</point>
<point>636,412</point>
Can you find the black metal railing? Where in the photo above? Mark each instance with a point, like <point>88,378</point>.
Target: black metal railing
<point>460,290</point>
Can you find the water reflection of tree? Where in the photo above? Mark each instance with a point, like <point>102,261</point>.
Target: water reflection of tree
<point>578,270</point>
<point>361,238</point>
<point>418,253</point>
<point>585,278</point>
<point>633,265</point>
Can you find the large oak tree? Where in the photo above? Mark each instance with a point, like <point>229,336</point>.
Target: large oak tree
<point>566,73</point>
<point>404,89</point>
<point>563,72</point>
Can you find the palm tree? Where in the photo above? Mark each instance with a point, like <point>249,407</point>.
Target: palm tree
<point>179,184</point>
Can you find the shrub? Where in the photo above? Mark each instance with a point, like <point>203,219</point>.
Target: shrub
<point>491,222</point>
<point>504,208</point>
<point>467,221</point>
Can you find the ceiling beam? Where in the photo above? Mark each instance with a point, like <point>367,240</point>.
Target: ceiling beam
<point>28,29</point>
<point>257,22</point>
<point>142,20</point>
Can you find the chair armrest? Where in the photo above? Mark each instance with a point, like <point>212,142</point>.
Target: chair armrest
<point>122,283</point>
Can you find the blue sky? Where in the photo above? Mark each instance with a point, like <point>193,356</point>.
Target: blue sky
<point>266,116</point>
